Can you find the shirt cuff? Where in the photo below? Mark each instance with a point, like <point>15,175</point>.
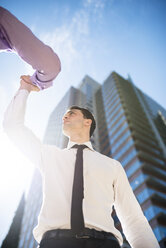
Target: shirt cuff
<point>41,84</point>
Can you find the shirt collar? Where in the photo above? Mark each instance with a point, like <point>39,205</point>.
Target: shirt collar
<point>88,143</point>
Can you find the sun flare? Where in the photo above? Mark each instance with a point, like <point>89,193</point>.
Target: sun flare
<point>15,169</point>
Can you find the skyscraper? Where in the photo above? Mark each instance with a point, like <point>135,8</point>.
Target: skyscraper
<point>136,137</point>
<point>12,238</point>
<point>32,208</point>
<point>131,127</point>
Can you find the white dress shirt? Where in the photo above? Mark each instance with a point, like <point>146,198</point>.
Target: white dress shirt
<point>105,184</point>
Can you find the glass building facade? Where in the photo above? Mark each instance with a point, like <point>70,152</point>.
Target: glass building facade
<point>136,130</point>
<point>131,128</point>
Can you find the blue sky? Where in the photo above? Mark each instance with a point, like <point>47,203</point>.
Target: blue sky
<point>91,37</point>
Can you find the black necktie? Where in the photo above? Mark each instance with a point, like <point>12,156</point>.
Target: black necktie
<point>77,218</point>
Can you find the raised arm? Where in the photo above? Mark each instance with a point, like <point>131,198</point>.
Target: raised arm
<point>135,226</point>
<point>14,126</point>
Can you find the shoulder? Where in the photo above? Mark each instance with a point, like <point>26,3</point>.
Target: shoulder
<point>55,149</point>
<point>51,148</point>
<point>107,159</point>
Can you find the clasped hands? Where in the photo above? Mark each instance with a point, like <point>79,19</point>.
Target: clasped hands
<point>27,84</point>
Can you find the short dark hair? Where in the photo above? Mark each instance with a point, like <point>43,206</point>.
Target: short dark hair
<point>87,115</point>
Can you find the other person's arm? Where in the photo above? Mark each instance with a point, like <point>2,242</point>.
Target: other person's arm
<point>15,36</point>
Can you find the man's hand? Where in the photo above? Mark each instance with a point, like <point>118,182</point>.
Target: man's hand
<point>26,84</point>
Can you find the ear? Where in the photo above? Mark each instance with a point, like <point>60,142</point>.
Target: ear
<point>88,122</point>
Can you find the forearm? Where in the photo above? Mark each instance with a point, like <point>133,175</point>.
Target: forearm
<point>141,234</point>
<point>135,226</point>
<point>16,130</point>
<point>15,112</point>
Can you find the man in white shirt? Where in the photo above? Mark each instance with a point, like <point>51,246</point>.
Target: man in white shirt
<point>105,184</point>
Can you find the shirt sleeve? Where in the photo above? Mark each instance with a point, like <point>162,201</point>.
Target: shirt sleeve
<point>22,136</point>
<point>32,50</point>
<point>135,225</point>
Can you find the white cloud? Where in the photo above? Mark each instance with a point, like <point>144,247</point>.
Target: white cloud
<point>95,7</point>
<point>73,41</point>
<point>95,4</point>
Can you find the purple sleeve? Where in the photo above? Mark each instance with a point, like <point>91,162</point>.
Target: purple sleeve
<point>15,36</point>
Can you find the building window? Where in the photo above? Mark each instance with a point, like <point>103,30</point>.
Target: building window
<point>112,130</point>
<point>144,195</point>
<point>128,157</point>
<point>120,141</point>
<point>119,132</point>
<point>160,170</point>
<point>152,211</point>
<point>21,242</point>
<point>111,123</point>
<point>160,232</point>
<point>138,180</point>
<point>133,168</point>
<point>111,113</point>
<point>123,149</point>
<point>31,244</point>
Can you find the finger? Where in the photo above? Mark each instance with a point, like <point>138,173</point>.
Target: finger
<point>26,78</point>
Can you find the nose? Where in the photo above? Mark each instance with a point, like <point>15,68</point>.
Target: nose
<point>65,117</point>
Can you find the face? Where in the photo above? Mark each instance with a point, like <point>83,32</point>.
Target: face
<point>73,121</point>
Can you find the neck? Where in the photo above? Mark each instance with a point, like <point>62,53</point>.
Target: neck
<point>79,139</point>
